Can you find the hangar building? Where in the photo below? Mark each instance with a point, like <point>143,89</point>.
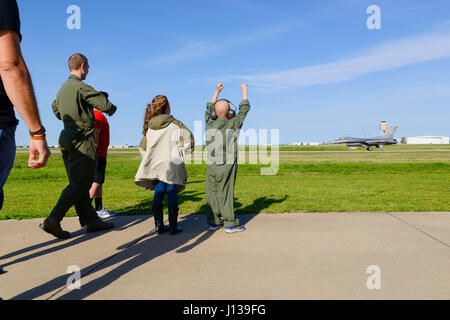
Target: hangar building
<point>425,140</point>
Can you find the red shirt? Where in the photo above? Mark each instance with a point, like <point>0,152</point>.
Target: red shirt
<point>103,141</point>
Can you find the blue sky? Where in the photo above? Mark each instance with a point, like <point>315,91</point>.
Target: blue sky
<point>314,69</point>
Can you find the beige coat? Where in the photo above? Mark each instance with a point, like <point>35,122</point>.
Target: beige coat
<point>166,143</point>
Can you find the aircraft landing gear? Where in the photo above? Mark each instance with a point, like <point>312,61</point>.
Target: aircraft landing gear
<point>369,149</point>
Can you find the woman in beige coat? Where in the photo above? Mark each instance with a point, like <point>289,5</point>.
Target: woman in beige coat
<point>164,146</point>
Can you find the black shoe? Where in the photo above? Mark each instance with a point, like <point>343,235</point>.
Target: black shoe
<point>173,217</point>
<point>99,225</point>
<point>162,229</point>
<point>174,231</point>
<point>54,228</point>
<point>157,211</point>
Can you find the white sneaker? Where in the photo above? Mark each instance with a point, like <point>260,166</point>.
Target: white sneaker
<point>235,229</point>
<point>215,227</point>
<point>103,214</point>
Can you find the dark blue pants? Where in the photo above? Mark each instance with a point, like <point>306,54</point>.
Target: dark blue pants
<point>161,189</point>
<point>7,155</point>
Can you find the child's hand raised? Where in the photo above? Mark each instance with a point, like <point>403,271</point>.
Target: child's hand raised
<point>216,94</point>
<point>244,91</point>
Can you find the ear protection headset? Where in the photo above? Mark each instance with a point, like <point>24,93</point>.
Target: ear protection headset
<point>231,113</point>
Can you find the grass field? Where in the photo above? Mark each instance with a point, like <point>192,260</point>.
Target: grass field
<point>391,179</point>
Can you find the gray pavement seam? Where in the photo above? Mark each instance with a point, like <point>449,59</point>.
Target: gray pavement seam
<point>420,230</point>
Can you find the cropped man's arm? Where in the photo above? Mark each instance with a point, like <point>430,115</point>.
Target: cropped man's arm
<point>98,100</point>
<point>19,88</point>
<point>16,79</point>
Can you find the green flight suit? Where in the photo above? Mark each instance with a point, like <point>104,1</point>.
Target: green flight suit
<point>222,146</point>
<point>74,106</point>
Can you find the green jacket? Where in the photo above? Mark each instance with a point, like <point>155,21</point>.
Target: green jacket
<point>74,105</point>
<point>224,126</point>
<point>223,123</point>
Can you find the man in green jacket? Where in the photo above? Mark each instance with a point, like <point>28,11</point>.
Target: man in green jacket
<point>222,133</point>
<point>74,106</point>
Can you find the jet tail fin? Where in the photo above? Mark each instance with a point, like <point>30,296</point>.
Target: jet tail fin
<point>389,134</point>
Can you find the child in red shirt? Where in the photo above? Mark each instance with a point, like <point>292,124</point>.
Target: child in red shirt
<point>101,135</point>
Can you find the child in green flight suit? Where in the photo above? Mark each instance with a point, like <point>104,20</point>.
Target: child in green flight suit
<point>222,133</point>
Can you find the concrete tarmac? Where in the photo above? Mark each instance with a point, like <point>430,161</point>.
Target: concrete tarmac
<point>279,256</point>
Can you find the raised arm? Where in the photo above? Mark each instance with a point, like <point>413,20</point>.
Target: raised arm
<point>19,88</point>
<point>244,91</point>
<point>210,104</point>
<point>244,107</point>
<point>216,94</point>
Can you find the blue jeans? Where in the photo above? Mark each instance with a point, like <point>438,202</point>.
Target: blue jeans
<point>7,155</point>
<point>161,188</point>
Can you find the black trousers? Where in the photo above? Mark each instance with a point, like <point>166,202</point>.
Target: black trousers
<point>80,161</point>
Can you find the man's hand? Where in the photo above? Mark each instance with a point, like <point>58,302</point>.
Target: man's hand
<point>38,147</point>
<point>244,91</point>
<point>114,109</point>
<point>216,94</point>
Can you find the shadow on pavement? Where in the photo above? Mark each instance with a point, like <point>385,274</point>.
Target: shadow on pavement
<point>134,254</point>
<point>145,206</point>
<point>142,209</point>
<point>77,237</point>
